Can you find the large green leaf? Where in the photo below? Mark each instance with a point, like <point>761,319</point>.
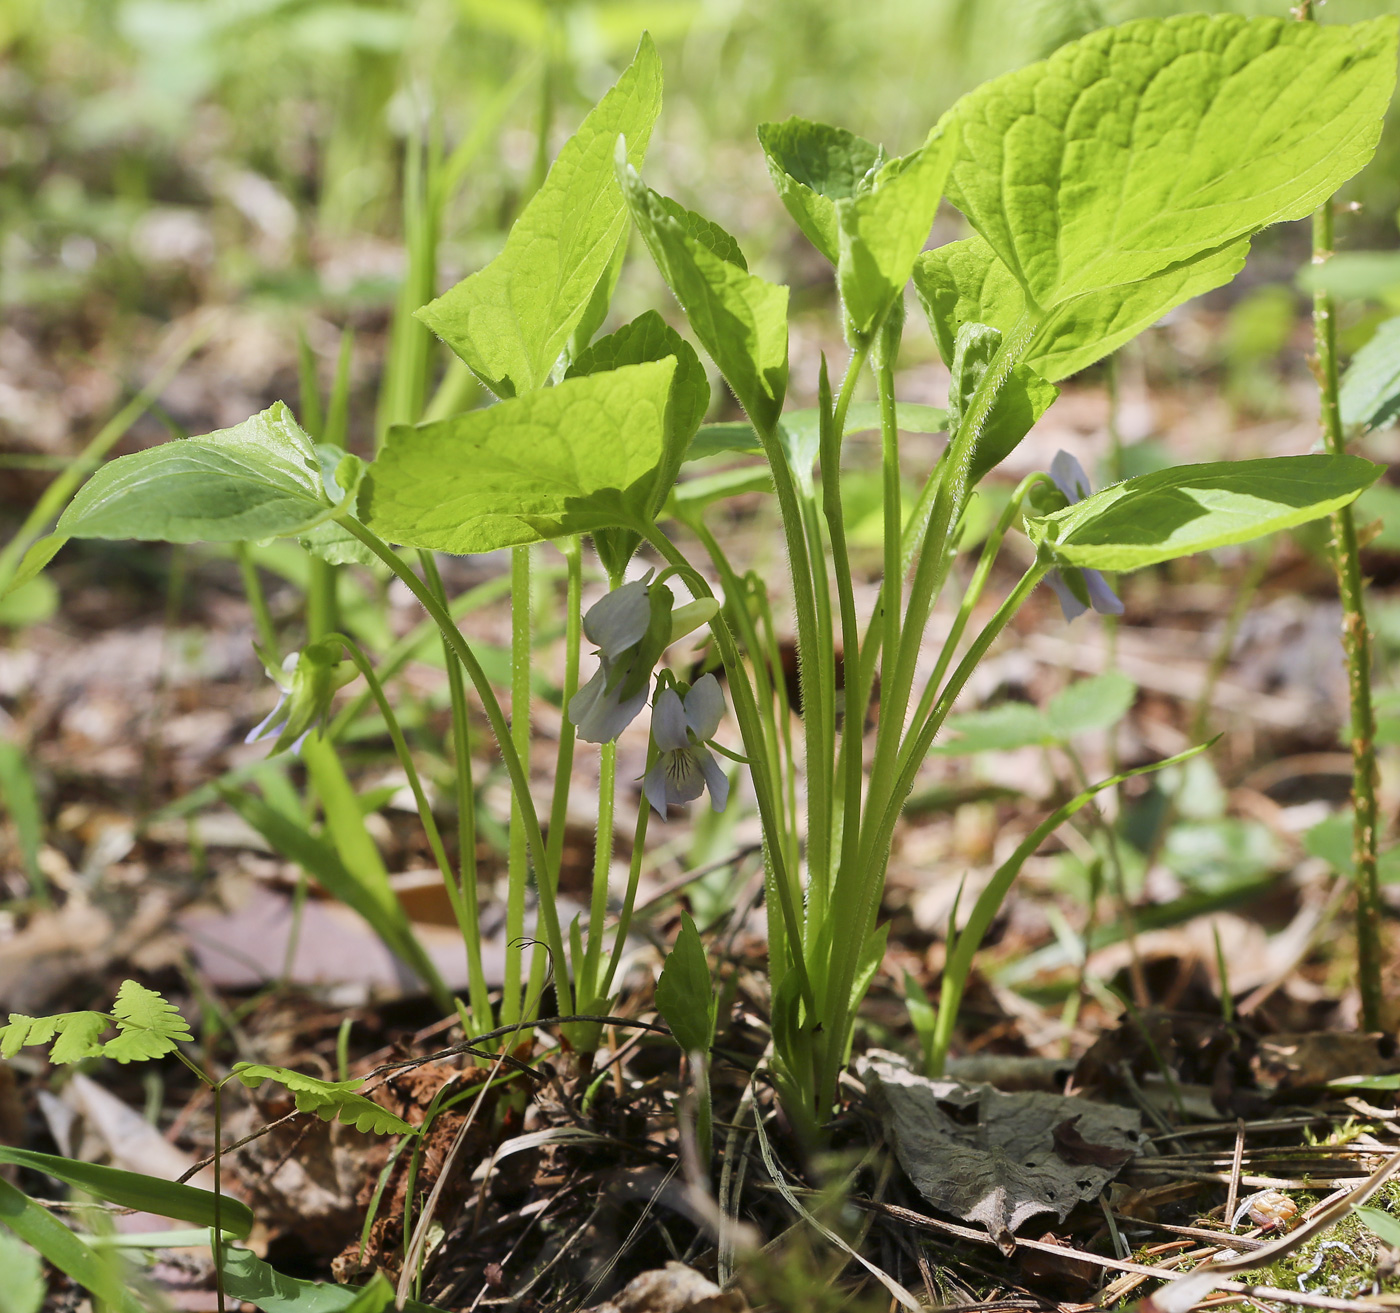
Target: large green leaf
<point>1370,392</point>
<point>685,996</point>
<point>740,319</point>
<point>647,338</point>
<point>147,1194</point>
<point>511,321</point>
<point>102,1274</point>
<point>1086,705</point>
<point>1196,507</point>
<point>567,459</point>
<point>800,430</point>
<point>882,230</point>
<point>965,283</point>
<point>814,165</point>
<point>1141,146</point>
<point>260,479</point>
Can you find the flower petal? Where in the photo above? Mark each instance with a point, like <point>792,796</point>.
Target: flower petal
<point>264,727</point>
<point>1069,603</point>
<point>654,786</point>
<point>1069,477</point>
<point>608,717</point>
<point>619,619</point>
<point>668,725</point>
<point>715,778</point>
<point>704,707</point>
<point>1105,601</point>
<point>585,699</point>
<point>685,778</point>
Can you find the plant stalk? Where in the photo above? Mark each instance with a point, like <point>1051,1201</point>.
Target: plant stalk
<point>1356,642</point>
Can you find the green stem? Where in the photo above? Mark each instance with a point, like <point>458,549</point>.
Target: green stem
<point>850,764</point>
<point>1356,640</point>
<point>257,601</point>
<point>875,841</point>
<point>602,866</point>
<point>518,862</point>
<point>751,731</point>
<point>974,591</point>
<point>500,727</point>
<point>321,618</point>
<point>892,585</point>
<point>634,876</point>
<point>469,898</point>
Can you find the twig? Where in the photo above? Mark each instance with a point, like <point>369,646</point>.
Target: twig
<point>1235,1167</point>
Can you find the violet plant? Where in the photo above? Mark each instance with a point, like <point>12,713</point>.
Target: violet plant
<point>1115,180</point>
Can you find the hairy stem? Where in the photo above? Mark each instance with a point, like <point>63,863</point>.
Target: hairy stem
<point>1356,640</point>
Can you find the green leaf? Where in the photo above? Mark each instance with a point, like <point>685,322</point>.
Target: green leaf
<point>649,338</point>
<point>964,282</point>
<point>1331,839</point>
<point>150,1027</point>
<point>695,494</point>
<point>1144,145</point>
<point>740,319</point>
<point>1370,392</point>
<point>511,321</point>
<point>385,916</point>
<point>105,1276</point>
<point>1356,275</point>
<point>248,1278</point>
<point>1087,705</point>
<point>329,1100</point>
<point>260,479</point>
<point>38,556</point>
<point>1193,508</point>
<point>21,801</point>
<point>24,1288</point>
<point>814,165</point>
<point>569,459</point>
<point>74,1035</point>
<point>1383,1224</point>
<point>684,994</point>
<point>883,229</point>
<point>146,1194</point>
<point>1090,704</point>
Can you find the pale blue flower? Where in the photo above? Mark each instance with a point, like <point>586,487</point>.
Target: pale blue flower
<point>617,625</point>
<point>1071,480</point>
<point>307,683</point>
<point>680,730</point>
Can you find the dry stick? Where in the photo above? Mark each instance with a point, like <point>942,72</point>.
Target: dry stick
<point>1235,1167</point>
<point>1305,1298</point>
<point>1356,640</point>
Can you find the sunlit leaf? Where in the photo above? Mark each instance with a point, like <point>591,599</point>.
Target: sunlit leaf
<point>1193,508</point>
<point>329,1100</point>
<point>510,321</point>
<point>1150,143</point>
<point>567,459</point>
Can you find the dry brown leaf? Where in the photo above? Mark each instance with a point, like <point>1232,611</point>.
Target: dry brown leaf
<point>674,1288</point>
<point>995,1158</point>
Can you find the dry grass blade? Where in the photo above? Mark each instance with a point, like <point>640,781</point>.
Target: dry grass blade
<point>883,1277</point>
<point>1235,1167</point>
<point>1191,1289</point>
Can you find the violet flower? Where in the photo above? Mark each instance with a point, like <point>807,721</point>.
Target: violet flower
<point>1071,480</point>
<point>617,625</point>
<point>680,729</point>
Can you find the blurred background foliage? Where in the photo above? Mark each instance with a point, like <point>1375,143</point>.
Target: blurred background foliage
<point>157,152</point>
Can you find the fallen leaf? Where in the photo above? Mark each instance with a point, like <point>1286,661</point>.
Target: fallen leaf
<point>1001,1165</point>
<point>674,1288</point>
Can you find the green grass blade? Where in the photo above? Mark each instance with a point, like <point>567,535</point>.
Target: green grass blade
<point>147,1194</point>
<point>21,800</point>
<point>38,1228</point>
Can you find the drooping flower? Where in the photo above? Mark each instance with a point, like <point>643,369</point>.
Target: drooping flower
<point>307,681</point>
<point>621,626</point>
<point>1093,589</point>
<point>680,728</point>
